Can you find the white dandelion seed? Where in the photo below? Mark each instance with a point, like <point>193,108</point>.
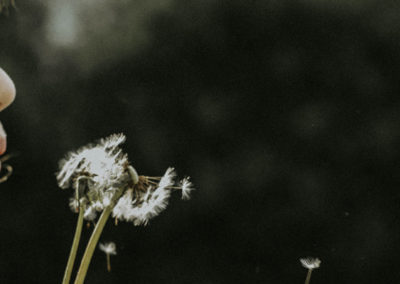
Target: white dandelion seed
<point>74,204</point>
<point>187,188</point>
<point>98,206</point>
<point>109,249</point>
<point>310,263</point>
<point>90,213</point>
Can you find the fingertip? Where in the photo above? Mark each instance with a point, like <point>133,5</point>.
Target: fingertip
<point>7,90</point>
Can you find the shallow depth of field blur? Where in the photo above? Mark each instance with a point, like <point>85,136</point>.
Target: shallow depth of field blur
<point>284,113</point>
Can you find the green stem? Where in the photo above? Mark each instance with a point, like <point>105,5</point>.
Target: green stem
<point>308,277</point>
<point>74,248</point>
<point>94,239</point>
<point>108,263</point>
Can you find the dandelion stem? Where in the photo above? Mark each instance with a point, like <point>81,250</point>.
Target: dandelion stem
<point>308,278</point>
<point>74,248</point>
<point>94,239</point>
<point>108,263</point>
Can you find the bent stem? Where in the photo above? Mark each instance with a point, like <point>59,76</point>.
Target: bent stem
<point>308,277</point>
<point>74,248</point>
<point>94,239</point>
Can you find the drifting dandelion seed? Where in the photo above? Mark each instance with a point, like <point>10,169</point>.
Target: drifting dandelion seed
<point>109,249</point>
<point>187,188</point>
<point>310,263</point>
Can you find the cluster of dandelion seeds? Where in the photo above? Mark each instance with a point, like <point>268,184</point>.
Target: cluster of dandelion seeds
<point>95,172</point>
<point>98,172</point>
<point>149,196</point>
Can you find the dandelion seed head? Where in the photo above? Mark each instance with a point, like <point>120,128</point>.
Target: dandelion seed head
<point>97,171</point>
<point>145,201</point>
<point>103,162</point>
<point>108,248</point>
<point>310,262</point>
<point>153,206</point>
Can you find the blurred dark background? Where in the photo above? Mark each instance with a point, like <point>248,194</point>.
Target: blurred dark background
<point>284,113</point>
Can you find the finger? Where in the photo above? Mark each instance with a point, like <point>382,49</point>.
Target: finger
<point>3,140</point>
<point>7,90</point>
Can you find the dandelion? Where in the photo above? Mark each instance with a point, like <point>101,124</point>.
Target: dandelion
<point>98,174</point>
<point>109,249</point>
<point>310,263</point>
<point>104,181</point>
